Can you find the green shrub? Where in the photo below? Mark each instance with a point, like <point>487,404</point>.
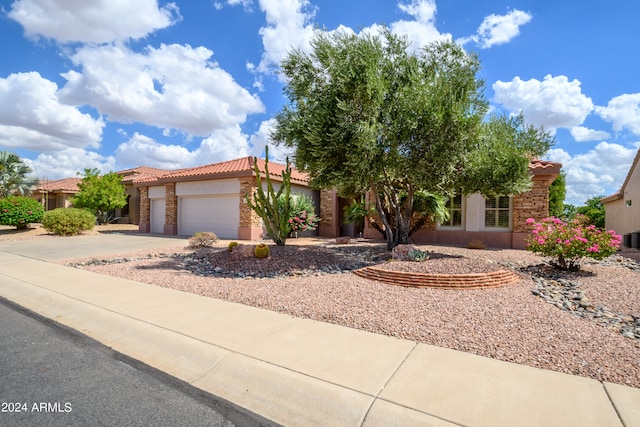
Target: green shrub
<point>231,246</point>
<point>19,212</point>
<point>203,239</point>
<point>261,251</point>
<point>68,221</point>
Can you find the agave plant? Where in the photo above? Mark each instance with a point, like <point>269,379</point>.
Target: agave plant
<point>417,255</point>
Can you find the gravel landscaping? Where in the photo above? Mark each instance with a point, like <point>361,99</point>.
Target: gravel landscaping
<point>585,323</point>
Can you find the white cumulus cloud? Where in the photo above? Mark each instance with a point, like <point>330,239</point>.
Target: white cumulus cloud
<point>623,111</point>
<point>96,21</point>
<point>170,87</point>
<point>422,28</point>
<point>69,163</point>
<point>598,172</point>
<point>33,117</point>
<point>553,102</point>
<point>262,139</point>
<point>582,134</point>
<point>221,145</point>
<point>499,29</point>
<point>287,27</point>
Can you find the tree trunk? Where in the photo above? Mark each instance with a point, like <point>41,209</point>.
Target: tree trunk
<point>383,217</point>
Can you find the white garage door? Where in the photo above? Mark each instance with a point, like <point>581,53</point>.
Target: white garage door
<point>157,215</point>
<point>220,214</point>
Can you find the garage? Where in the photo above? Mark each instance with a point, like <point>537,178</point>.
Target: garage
<point>217,213</point>
<point>157,215</point>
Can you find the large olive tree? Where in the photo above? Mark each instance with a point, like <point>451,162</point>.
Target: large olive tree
<point>365,114</point>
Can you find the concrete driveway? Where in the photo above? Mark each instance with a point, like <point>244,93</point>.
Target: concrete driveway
<point>57,248</point>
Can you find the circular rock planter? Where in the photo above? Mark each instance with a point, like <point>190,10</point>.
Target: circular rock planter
<point>491,279</point>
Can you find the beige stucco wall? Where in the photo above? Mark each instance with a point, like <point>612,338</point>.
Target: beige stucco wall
<point>621,217</point>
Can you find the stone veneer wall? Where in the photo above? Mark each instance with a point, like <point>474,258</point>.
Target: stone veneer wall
<point>531,204</point>
<point>327,198</point>
<point>248,217</point>
<point>144,225</point>
<point>171,209</point>
<point>329,215</point>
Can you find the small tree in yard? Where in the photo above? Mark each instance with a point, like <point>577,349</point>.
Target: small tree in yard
<point>594,210</point>
<point>273,207</point>
<point>557,193</point>
<point>366,115</point>
<point>100,194</point>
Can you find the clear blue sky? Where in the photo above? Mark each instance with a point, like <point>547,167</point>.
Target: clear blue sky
<point>115,84</point>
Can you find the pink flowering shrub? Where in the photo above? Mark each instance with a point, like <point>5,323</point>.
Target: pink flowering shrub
<point>569,243</point>
<point>302,216</point>
<point>303,221</point>
<point>19,211</point>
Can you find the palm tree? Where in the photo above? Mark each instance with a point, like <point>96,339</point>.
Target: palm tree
<point>14,177</point>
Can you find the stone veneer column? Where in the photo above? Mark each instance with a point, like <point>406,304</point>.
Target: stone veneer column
<point>144,226</point>
<point>329,214</point>
<point>530,204</point>
<point>250,225</point>
<point>171,209</point>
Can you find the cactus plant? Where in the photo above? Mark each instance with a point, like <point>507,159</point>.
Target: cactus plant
<point>273,207</point>
<point>231,246</point>
<point>261,251</point>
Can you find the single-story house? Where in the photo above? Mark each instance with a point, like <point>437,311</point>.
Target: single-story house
<point>497,222</point>
<point>130,213</point>
<point>622,209</point>
<point>210,198</point>
<point>57,193</point>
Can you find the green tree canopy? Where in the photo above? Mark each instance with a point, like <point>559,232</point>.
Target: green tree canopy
<point>14,176</point>
<point>100,194</point>
<point>557,193</point>
<point>594,210</point>
<point>364,114</point>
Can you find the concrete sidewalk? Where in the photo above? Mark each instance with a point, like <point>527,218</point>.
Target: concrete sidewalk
<point>300,372</point>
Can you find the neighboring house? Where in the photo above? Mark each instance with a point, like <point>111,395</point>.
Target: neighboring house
<point>497,222</point>
<point>622,209</point>
<point>209,198</point>
<point>130,213</point>
<point>56,194</point>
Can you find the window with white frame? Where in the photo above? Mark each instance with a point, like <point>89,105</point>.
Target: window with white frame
<point>497,212</point>
<point>455,209</point>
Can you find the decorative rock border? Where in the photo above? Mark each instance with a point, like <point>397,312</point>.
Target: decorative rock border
<point>492,279</point>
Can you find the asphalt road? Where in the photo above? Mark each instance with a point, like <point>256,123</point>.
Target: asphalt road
<point>53,376</point>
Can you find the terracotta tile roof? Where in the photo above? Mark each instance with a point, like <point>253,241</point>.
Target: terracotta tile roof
<point>65,185</point>
<point>237,167</point>
<point>141,172</point>
<point>544,167</point>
